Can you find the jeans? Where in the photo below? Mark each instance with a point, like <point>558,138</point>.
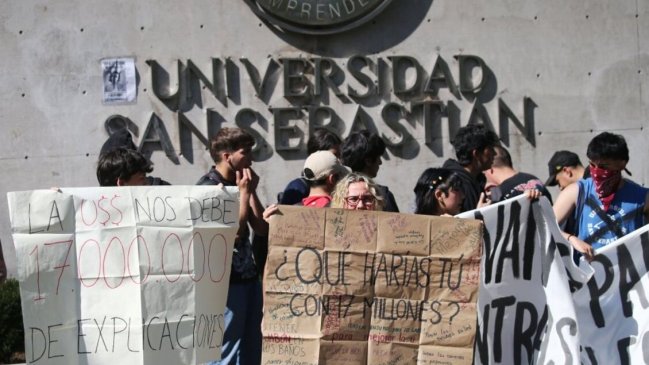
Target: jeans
<point>243,312</point>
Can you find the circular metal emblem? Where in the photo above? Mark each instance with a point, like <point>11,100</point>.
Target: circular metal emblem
<point>317,16</point>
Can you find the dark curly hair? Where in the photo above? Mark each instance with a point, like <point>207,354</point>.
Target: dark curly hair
<point>361,146</point>
<point>322,140</point>
<point>229,140</point>
<point>470,138</point>
<point>608,145</point>
<point>121,163</point>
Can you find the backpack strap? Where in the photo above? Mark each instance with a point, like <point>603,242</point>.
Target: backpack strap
<point>579,209</point>
<point>611,225</point>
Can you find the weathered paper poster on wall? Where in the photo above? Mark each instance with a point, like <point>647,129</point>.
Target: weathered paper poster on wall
<point>363,287</point>
<point>119,80</point>
<point>124,275</point>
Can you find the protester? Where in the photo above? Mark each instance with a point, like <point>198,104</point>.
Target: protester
<point>362,151</point>
<point>565,168</point>
<point>605,206</point>
<point>231,150</point>
<point>473,145</point>
<point>322,170</point>
<point>298,189</point>
<point>504,182</point>
<point>438,192</point>
<point>123,167</point>
<point>122,139</point>
<point>357,192</point>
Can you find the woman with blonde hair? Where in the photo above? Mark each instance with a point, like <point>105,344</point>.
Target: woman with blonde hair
<point>354,191</point>
<point>357,192</point>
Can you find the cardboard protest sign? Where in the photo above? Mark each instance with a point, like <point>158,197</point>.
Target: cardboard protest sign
<point>525,311</point>
<point>613,306</point>
<point>364,287</point>
<point>124,275</point>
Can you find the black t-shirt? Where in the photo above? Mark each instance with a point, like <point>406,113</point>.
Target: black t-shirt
<point>516,185</point>
<point>244,265</point>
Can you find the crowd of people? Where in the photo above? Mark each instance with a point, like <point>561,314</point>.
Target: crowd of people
<point>595,207</point>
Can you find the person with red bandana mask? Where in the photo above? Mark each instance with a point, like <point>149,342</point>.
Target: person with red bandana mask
<point>605,206</point>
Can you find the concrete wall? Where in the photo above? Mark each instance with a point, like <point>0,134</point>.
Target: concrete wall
<point>581,65</point>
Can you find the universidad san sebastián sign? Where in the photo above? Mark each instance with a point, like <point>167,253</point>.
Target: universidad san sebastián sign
<point>282,99</point>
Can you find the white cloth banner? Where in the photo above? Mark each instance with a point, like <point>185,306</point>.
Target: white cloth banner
<point>537,307</point>
<point>612,308</point>
<point>124,275</point>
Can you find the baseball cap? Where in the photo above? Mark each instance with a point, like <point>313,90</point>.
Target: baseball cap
<point>321,164</point>
<point>559,160</point>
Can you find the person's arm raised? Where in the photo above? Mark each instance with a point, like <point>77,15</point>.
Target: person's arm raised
<point>243,183</point>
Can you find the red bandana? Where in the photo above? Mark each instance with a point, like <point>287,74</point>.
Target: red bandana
<point>606,184</point>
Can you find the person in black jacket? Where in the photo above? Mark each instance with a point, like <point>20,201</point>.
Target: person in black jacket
<point>361,152</point>
<point>474,148</point>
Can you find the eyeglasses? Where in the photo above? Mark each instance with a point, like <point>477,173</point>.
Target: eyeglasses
<point>353,200</point>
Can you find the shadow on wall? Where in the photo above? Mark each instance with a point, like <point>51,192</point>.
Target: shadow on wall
<point>388,29</point>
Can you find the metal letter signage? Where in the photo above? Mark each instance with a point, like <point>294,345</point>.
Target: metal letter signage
<point>317,17</point>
